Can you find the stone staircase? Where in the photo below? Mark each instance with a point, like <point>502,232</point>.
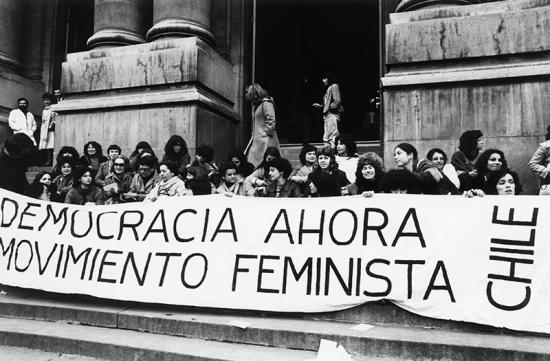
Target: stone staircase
<point>36,321</point>
<point>292,151</point>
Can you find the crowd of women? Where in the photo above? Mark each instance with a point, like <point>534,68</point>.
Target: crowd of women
<point>142,176</point>
<point>333,170</point>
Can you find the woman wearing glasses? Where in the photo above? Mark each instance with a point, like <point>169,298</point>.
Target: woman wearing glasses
<point>118,181</point>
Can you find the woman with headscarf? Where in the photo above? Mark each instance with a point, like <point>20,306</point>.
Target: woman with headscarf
<point>264,134</point>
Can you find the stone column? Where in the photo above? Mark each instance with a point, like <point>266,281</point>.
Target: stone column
<point>181,18</point>
<point>11,18</point>
<point>411,5</point>
<point>118,23</point>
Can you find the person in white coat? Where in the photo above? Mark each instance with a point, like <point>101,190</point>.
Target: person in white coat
<point>21,120</point>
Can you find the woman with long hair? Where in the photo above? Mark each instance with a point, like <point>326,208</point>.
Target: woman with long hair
<point>176,151</point>
<point>244,167</point>
<point>42,187</point>
<point>488,162</point>
<point>93,156</point>
<point>503,182</point>
<point>264,134</point>
<point>84,190</point>
<point>197,182</point>
<point>430,180</point>
<point>346,155</point>
<point>471,143</point>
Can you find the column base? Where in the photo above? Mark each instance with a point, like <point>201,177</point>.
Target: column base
<point>9,62</point>
<point>178,28</point>
<point>108,38</point>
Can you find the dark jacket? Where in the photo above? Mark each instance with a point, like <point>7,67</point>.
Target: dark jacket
<point>289,189</point>
<point>79,196</point>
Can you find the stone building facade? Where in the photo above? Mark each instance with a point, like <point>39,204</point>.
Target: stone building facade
<point>134,70</point>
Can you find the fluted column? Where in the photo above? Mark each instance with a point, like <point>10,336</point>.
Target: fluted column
<point>11,30</point>
<point>181,18</point>
<point>410,5</point>
<point>118,23</point>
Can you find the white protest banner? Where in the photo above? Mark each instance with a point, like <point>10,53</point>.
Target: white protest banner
<point>481,260</point>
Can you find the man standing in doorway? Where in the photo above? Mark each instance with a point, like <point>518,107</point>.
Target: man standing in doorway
<point>21,120</point>
<point>332,109</point>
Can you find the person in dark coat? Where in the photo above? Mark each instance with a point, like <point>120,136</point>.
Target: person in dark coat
<point>488,162</point>
<point>326,163</point>
<point>18,154</point>
<point>471,144</point>
<point>280,186</point>
<point>84,191</point>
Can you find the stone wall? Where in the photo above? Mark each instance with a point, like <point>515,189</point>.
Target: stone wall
<point>470,67</point>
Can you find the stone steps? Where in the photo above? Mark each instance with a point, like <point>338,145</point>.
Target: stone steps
<point>126,345</point>
<point>25,354</point>
<point>39,322</point>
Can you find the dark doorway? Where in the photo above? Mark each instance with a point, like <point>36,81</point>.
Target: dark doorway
<point>297,41</point>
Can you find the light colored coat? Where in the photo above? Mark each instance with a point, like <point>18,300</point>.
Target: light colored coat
<point>541,159</point>
<point>20,123</point>
<point>264,134</point>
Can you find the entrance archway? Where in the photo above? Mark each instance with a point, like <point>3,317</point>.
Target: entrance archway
<point>298,40</point>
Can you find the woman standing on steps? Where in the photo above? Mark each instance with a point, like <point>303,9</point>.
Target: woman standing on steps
<point>264,134</point>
